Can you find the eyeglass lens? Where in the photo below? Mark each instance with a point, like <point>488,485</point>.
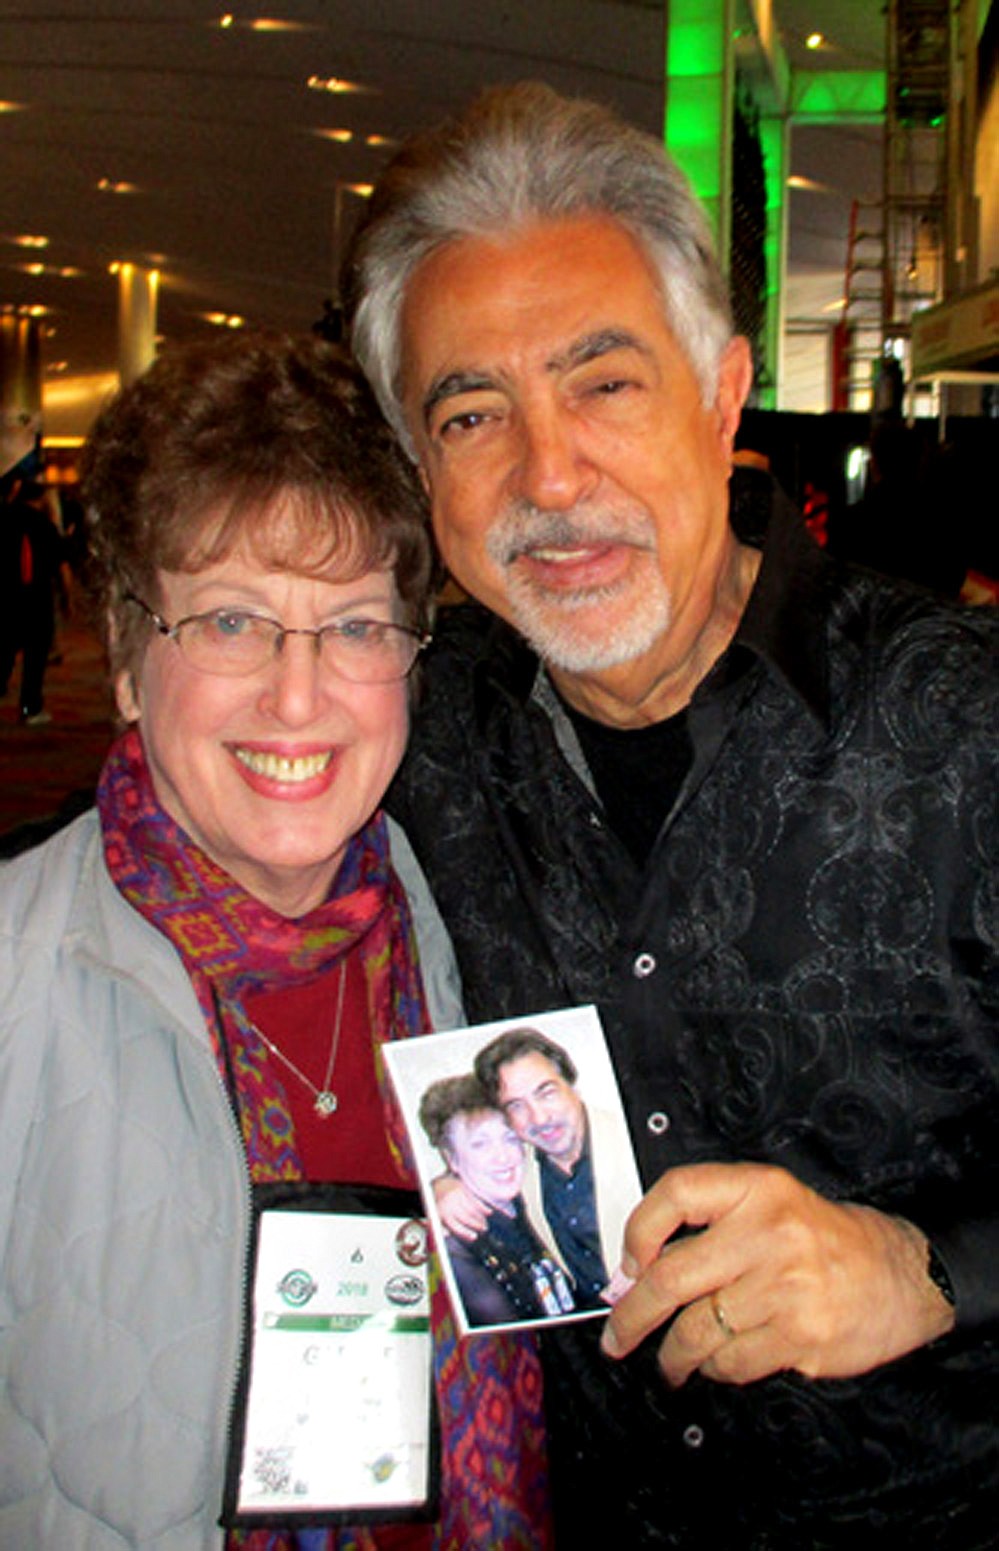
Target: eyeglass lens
<point>367,651</point>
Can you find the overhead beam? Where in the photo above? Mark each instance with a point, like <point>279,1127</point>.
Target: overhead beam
<point>838,96</point>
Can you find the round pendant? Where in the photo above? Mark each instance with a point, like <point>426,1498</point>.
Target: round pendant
<point>325,1104</point>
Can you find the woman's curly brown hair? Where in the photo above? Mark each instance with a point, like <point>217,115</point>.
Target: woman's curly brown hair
<point>202,452</point>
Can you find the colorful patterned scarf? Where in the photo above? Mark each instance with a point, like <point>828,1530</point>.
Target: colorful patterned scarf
<point>494,1490</point>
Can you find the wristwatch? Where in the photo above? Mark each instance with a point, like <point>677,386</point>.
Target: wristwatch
<point>939,1275</point>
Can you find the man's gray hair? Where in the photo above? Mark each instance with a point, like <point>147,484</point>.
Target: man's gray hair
<point>520,154</point>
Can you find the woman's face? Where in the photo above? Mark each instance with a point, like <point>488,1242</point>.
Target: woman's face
<point>271,774</point>
<point>486,1155</point>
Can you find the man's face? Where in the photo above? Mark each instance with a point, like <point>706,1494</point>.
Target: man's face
<point>543,1108</point>
<point>578,481</point>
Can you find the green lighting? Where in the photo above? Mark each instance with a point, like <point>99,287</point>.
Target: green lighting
<point>698,66</point>
<point>695,43</point>
<point>773,140</point>
<point>826,96</point>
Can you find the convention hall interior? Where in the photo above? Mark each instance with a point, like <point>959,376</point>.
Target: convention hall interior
<point>171,169</point>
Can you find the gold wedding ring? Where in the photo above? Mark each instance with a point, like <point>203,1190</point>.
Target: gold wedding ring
<point>721,1318</point>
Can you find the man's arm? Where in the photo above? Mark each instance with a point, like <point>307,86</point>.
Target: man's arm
<point>464,1216</point>
<point>778,1278</point>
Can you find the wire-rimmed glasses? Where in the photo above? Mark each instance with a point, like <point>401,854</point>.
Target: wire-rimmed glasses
<point>234,643</point>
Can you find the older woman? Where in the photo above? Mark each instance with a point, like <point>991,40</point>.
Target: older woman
<point>199,974</point>
<point>505,1273</point>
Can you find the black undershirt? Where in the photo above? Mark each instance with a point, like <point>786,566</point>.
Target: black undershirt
<point>637,772</point>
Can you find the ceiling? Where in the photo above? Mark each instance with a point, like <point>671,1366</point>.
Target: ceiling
<point>233,190</point>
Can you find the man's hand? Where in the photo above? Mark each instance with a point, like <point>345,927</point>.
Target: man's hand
<point>778,1278</point>
<point>464,1216</point>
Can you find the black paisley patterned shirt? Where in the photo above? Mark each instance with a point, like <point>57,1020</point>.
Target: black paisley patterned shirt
<point>804,973</point>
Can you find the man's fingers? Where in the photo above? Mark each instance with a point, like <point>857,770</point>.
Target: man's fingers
<point>643,1309</point>
<point>780,1278</point>
<point>696,1195</point>
<point>724,1335</point>
<point>745,1358</point>
<point>684,1271</point>
<point>679,1274</point>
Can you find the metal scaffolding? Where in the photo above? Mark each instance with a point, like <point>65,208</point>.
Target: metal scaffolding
<point>895,254</point>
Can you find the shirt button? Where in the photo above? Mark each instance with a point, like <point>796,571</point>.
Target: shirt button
<point>693,1436</point>
<point>643,966</point>
<point>657,1122</point>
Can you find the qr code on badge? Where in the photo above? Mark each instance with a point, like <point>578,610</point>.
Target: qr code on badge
<point>272,1469</point>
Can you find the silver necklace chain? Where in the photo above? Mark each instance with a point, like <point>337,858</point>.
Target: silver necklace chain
<point>325,1102</point>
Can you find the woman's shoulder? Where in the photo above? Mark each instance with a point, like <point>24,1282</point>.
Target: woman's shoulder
<point>38,888</point>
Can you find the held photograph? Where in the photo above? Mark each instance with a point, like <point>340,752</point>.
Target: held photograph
<point>525,1164</point>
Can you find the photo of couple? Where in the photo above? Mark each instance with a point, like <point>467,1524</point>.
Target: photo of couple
<point>525,1164</point>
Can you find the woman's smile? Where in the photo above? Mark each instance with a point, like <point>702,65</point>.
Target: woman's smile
<point>283,774</point>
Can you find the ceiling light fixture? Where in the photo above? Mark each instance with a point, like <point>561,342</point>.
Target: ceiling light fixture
<point>227,21</point>
<point>334,84</point>
<point>815,40</point>
<point>810,185</point>
<point>116,186</point>
<point>61,272</point>
<point>274,24</point>
<point>341,136</point>
<point>26,241</point>
<point>224,320</point>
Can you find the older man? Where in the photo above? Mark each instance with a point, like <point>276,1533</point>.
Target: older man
<point>533,1080</point>
<point>743,798</point>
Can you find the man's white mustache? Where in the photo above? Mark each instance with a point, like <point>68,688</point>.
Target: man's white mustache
<point>527,529</point>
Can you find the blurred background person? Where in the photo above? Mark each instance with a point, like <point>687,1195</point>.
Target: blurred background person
<point>30,562</point>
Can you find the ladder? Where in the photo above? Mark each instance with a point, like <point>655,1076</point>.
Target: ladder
<point>894,262</point>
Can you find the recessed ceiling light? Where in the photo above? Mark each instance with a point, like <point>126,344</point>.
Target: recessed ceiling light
<point>375,141</point>
<point>116,186</point>
<point>26,241</point>
<point>223,320</point>
<point>341,136</point>
<point>811,185</point>
<point>61,272</point>
<point>814,40</point>
<point>274,24</point>
<point>333,83</point>
<point>12,107</point>
<point>365,190</point>
<point>227,21</point>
